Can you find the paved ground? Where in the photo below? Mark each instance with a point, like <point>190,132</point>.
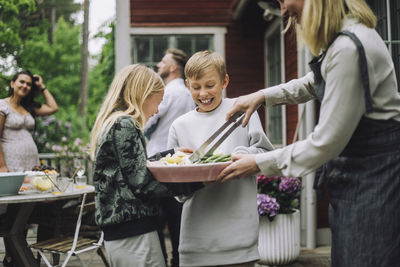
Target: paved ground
<point>319,257</point>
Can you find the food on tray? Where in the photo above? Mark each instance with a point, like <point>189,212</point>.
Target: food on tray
<point>25,187</point>
<point>182,159</point>
<point>46,169</point>
<point>216,158</point>
<point>42,183</point>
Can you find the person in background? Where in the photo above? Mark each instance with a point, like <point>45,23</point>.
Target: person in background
<point>358,132</point>
<point>176,102</point>
<point>126,194</point>
<point>220,221</point>
<point>18,151</point>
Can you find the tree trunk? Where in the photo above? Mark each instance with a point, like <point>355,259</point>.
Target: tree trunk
<point>84,61</point>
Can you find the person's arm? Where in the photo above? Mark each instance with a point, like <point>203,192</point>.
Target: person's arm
<point>341,110</point>
<point>258,141</point>
<point>3,166</point>
<point>51,105</point>
<point>131,155</point>
<point>296,91</point>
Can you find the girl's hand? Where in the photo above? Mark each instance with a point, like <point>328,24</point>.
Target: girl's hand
<point>243,165</point>
<point>187,150</point>
<point>248,104</point>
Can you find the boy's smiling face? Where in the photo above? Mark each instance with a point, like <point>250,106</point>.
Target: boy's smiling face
<point>207,90</point>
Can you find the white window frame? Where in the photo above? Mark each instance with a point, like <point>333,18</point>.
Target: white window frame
<point>217,32</point>
<point>276,25</point>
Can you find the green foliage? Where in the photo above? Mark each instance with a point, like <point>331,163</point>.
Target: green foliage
<point>11,13</point>
<point>58,64</point>
<point>25,29</point>
<point>51,132</point>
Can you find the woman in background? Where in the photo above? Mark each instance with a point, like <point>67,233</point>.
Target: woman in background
<point>18,151</point>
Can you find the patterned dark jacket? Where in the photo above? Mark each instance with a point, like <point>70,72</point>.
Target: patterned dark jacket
<point>127,195</point>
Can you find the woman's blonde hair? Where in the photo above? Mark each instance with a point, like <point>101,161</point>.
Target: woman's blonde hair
<point>129,89</point>
<point>204,61</point>
<point>321,20</point>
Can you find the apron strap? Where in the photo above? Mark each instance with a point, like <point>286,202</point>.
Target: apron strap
<point>363,69</point>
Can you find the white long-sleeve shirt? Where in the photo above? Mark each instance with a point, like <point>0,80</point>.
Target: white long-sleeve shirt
<point>220,221</point>
<point>177,101</point>
<point>343,104</point>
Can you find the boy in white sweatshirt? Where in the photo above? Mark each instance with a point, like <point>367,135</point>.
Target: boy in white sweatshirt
<point>220,221</point>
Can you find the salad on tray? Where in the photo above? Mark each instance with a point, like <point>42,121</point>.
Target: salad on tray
<point>182,159</point>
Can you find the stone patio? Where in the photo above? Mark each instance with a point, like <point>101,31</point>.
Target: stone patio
<point>319,257</point>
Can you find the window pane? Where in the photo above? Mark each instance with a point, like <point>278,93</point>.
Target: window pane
<point>184,43</point>
<point>149,49</point>
<point>141,49</point>
<point>160,46</point>
<point>275,124</point>
<point>203,43</point>
<point>379,8</point>
<point>274,114</point>
<point>395,19</point>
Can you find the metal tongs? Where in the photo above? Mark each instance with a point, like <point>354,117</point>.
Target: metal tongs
<point>200,153</point>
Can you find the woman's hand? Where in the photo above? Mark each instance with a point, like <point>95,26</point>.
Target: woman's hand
<point>243,165</point>
<point>39,81</point>
<point>248,104</point>
<point>186,150</point>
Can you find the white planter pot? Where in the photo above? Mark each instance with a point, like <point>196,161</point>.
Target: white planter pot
<point>279,240</point>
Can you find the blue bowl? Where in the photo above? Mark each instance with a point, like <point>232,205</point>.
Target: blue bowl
<point>10,183</point>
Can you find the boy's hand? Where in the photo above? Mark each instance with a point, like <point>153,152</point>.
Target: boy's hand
<point>242,165</point>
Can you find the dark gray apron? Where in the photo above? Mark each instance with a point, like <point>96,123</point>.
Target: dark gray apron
<point>363,184</point>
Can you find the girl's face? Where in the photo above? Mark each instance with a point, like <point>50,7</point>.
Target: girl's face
<point>150,104</point>
<point>207,91</point>
<point>22,85</point>
<point>292,8</point>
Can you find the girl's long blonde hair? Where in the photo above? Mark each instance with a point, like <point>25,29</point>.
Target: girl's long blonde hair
<point>321,20</point>
<point>129,89</point>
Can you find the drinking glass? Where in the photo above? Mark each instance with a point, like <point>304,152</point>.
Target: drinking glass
<point>80,165</point>
<point>81,181</point>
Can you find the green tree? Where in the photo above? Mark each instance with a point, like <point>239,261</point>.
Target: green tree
<point>11,14</point>
<point>59,63</point>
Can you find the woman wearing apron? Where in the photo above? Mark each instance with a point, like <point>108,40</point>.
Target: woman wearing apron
<point>357,139</point>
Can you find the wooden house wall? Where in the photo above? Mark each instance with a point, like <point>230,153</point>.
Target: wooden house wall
<point>181,12</point>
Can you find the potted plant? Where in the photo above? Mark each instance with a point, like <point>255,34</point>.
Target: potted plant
<point>278,207</point>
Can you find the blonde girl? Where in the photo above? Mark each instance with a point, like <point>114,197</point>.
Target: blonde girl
<point>357,137</point>
<point>126,194</point>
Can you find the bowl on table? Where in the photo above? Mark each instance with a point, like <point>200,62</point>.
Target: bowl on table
<point>10,183</point>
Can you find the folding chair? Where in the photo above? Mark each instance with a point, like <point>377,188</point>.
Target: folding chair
<point>73,245</point>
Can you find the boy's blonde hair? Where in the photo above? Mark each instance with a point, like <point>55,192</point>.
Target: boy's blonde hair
<point>204,61</point>
<point>129,89</point>
<point>321,20</point>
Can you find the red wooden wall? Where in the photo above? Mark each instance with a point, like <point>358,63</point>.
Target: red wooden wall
<point>181,12</point>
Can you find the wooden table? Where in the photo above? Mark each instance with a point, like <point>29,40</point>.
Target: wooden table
<point>19,209</point>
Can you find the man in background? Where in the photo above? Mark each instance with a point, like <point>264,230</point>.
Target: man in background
<point>177,101</point>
